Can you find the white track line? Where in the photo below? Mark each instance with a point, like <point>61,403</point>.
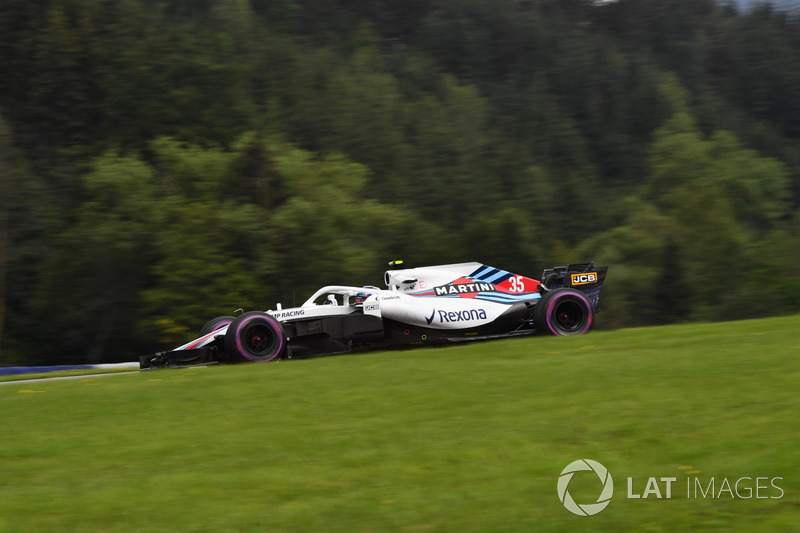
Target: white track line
<point>62,378</point>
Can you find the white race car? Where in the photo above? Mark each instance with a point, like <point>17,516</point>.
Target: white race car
<point>425,305</point>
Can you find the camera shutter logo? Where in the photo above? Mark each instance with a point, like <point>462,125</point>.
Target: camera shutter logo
<point>587,509</point>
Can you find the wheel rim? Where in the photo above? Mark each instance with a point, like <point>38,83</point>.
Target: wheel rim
<point>568,316</point>
<point>259,340</point>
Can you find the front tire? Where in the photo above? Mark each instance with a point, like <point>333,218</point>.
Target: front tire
<point>563,312</point>
<point>255,336</point>
<point>215,323</point>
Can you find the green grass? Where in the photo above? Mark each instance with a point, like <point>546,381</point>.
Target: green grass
<point>471,437</point>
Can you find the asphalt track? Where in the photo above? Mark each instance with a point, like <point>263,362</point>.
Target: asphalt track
<point>20,370</point>
<point>62,378</point>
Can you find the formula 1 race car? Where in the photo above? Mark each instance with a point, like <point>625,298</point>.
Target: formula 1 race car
<point>425,305</point>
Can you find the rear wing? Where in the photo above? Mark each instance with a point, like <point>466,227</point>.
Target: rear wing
<point>584,277</point>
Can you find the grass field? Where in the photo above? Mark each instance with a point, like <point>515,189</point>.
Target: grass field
<point>464,438</point>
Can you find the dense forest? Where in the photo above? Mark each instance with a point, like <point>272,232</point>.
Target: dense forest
<point>165,161</point>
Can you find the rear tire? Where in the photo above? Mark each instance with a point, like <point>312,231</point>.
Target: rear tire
<point>563,312</point>
<point>215,323</point>
<point>552,279</point>
<point>255,336</point>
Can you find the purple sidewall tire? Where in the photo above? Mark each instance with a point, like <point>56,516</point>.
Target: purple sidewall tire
<point>256,337</point>
<point>565,312</point>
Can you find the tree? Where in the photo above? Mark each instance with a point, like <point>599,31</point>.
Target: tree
<point>213,259</point>
<point>89,285</point>
<point>723,198</point>
<point>327,230</point>
<point>6,180</point>
<point>27,210</point>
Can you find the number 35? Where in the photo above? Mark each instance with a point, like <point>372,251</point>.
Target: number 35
<point>517,285</point>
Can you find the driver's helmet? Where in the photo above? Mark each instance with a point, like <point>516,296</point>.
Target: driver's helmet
<point>361,296</point>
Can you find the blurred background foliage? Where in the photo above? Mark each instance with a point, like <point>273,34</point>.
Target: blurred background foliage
<point>164,162</point>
